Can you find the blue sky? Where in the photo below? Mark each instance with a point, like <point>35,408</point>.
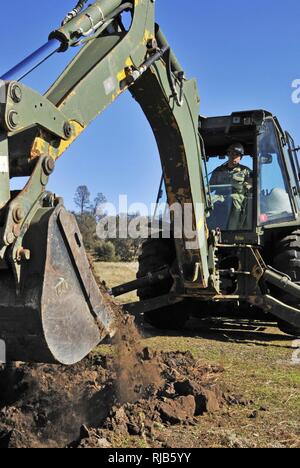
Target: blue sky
<point>245,55</point>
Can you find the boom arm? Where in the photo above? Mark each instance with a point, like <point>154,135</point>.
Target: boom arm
<point>47,290</point>
<point>108,64</point>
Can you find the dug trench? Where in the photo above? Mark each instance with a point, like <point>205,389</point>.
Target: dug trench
<point>133,393</point>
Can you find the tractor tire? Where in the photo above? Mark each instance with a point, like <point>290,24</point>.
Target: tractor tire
<point>157,254</point>
<point>287,260</point>
<point>289,329</point>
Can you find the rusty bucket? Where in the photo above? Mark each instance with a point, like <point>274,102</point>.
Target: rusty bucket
<point>60,314</point>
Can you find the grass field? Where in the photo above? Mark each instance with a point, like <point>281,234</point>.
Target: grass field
<point>115,274</point>
<point>260,365</point>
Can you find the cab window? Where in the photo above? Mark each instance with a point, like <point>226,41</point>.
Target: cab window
<point>231,194</point>
<point>275,202</point>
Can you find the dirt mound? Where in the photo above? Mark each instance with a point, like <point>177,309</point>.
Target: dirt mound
<point>88,405</point>
<point>83,406</point>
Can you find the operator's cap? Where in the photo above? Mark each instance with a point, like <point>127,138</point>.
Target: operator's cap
<point>236,148</point>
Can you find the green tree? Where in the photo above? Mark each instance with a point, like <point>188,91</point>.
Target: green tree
<point>105,251</point>
<point>126,249</point>
<point>87,226</point>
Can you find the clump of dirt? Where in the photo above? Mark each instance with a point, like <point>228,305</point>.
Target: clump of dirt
<point>45,405</point>
<point>185,390</point>
<point>84,406</point>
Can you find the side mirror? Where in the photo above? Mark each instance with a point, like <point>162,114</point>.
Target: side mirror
<point>266,159</point>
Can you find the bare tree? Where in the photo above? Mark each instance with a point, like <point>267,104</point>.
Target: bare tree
<point>99,200</point>
<point>82,198</point>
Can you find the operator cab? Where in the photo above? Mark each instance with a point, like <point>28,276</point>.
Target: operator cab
<point>271,196</point>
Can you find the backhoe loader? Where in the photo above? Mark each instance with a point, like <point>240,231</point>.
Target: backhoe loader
<point>51,309</point>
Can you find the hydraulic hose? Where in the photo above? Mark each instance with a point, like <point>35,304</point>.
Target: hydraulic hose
<point>282,282</point>
<point>78,8</point>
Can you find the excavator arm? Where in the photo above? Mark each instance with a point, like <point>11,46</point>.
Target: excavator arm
<point>51,309</point>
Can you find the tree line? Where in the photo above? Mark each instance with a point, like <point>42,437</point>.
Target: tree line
<point>87,215</point>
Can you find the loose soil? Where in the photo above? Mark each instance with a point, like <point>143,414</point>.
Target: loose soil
<point>136,392</point>
<point>90,404</point>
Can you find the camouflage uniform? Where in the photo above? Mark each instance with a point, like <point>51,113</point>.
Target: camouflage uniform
<point>239,179</point>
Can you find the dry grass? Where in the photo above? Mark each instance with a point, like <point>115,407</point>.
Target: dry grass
<point>258,365</point>
<point>115,274</point>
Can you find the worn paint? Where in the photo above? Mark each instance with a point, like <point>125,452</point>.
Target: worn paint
<point>148,36</point>
<point>200,224</point>
<point>43,145</point>
<point>122,75</point>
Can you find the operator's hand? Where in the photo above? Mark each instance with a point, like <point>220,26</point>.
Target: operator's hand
<point>217,199</point>
<point>248,186</point>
